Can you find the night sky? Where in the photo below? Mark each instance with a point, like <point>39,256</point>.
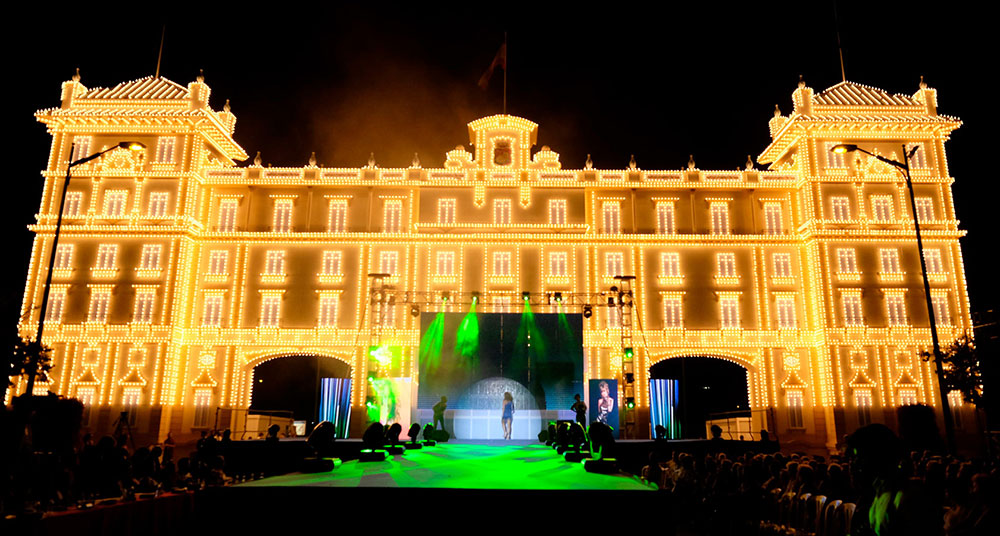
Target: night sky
<point>660,84</point>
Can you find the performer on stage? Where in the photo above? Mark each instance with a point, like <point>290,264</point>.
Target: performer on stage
<point>606,404</point>
<point>507,419</point>
<point>439,412</point>
<point>581,411</point>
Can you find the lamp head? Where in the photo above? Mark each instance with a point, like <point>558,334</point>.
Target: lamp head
<point>843,148</point>
<point>132,145</point>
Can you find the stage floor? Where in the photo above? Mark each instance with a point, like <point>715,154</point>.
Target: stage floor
<point>482,465</point>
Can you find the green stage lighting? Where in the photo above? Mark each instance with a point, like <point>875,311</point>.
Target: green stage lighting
<point>628,354</point>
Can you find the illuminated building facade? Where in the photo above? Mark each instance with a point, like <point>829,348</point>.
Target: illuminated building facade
<point>177,272</point>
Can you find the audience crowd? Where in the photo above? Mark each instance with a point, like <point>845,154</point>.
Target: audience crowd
<point>888,492</point>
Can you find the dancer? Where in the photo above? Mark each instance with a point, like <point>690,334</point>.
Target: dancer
<point>439,409</point>
<point>507,419</point>
<point>581,411</point>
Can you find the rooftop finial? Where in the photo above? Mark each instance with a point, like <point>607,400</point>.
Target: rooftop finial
<point>749,163</point>
<point>201,76</point>
<point>257,160</point>
<point>416,161</point>
<point>802,82</point>
<point>777,111</point>
<point>371,161</point>
<point>691,162</point>
<point>312,159</point>
<point>76,75</point>
<point>923,85</point>
<point>225,107</point>
<point>631,164</point>
<point>589,164</point>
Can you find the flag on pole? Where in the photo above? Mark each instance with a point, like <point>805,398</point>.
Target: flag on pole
<point>500,60</point>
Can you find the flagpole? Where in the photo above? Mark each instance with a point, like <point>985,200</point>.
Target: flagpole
<point>505,62</point>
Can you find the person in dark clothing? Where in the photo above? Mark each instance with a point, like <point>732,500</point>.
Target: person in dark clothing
<point>581,410</point>
<point>439,409</point>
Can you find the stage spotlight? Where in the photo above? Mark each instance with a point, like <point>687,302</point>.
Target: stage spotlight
<point>630,402</point>
<point>614,288</point>
<point>414,310</point>
<point>629,378</point>
<point>587,311</point>
<point>558,297</point>
<point>392,300</point>
<point>525,295</point>
<point>475,296</point>
<point>445,295</point>
<point>628,354</point>
<point>611,301</point>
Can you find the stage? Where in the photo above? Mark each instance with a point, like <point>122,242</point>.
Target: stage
<point>469,481</point>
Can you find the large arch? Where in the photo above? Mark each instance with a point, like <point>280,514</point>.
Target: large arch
<point>284,387</point>
<point>710,384</point>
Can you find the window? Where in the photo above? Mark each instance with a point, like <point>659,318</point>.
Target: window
<point>218,262</point>
<point>557,212</point>
<point>614,263</point>
<point>889,261</point>
<point>446,211</point>
<point>729,312</point>
<point>726,263</point>
<point>275,263</point>
<point>834,160</point>
<point>670,264</point>
<point>720,217</point>
<point>114,203</point>
<point>212,313</point>
<point>332,263</point>
<point>328,311</point>
<point>64,257</point>
<point>611,211</point>
<point>785,307</point>
<point>665,218</point>
<point>863,401</point>
<point>672,312</point>
<point>338,216</point>
<point>919,158</point>
<point>840,209</point>
<point>772,219</point>
<point>388,262</point>
<point>942,311</point>
<point>106,255</point>
<point>158,204</point>
<point>57,302</point>
<point>852,310</point>
<point>270,310</point>
<point>165,150</point>
<point>74,200</point>
<point>144,302</point>
<point>81,147</point>
<point>895,306</point>
<point>150,258</point>
<point>99,301</point>
<point>932,259</point>
<point>907,397</point>
<point>393,216</point>
<point>793,399</point>
<point>501,211</point>
<point>558,263</point>
<point>282,216</point>
<point>445,263</point>
<point>925,209</point>
<point>782,264</point>
<point>501,263</point>
<point>130,402</point>
<point>227,215</point>
<point>847,262</point>
<point>202,407</point>
<point>881,208</point>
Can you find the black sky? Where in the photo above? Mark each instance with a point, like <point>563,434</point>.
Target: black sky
<point>659,83</point>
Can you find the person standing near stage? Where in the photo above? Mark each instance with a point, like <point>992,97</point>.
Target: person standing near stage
<point>507,418</point>
<point>439,412</point>
<point>581,411</point>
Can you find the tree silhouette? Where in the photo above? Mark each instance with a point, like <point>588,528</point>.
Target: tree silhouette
<point>19,359</point>
<point>962,371</point>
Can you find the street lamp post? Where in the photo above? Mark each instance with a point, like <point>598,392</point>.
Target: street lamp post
<point>904,168</point>
<point>33,365</point>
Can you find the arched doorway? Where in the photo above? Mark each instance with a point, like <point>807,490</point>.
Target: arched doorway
<point>292,383</point>
<point>707,387</point>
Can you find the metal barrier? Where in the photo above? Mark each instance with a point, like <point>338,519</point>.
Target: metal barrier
<point>242,421</point>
